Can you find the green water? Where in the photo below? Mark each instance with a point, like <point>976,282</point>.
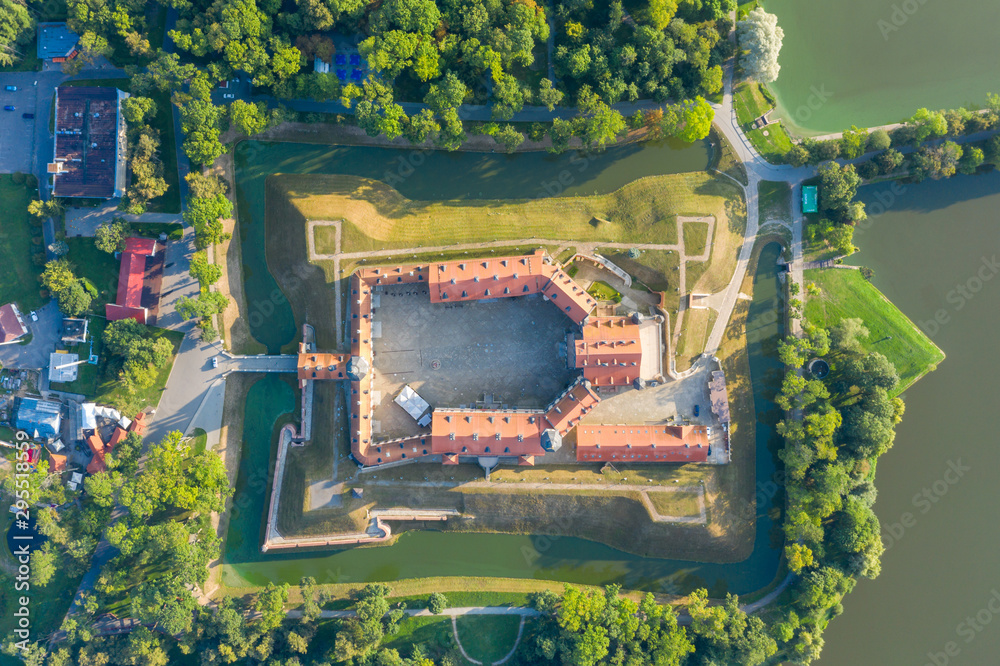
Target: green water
<point>428,175</point>
<point>942,55</point>
<point>428,553</point>
<point>943,568</point>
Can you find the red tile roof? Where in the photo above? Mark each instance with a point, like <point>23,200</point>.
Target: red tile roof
<point>572,300</point>
<point>609,353</point>
<point>138,424</point>
<point>641,443</point>
<point>486,433</point>
<point>131,280</point>
<point>313,365</point>
<point>573,405</point>
<point>97,462</point>
<point>11,325</point>
<point>57,462</point>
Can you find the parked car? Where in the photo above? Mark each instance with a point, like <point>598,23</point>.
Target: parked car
<point>697,409</point>
<point>10,88</point>
<point>34,316</point>
<point>28,116</point>
<point>215,361</point>
<point>8,108</point>
<point>228,96</point>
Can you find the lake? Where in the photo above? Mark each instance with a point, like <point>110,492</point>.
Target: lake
<point>935,254</point>
<point>873,62</point>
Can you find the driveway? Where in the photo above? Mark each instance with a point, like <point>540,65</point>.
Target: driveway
<point>16,133</point>
<point>177,281</point>
<point>45,333</point>
<point>84,221</point>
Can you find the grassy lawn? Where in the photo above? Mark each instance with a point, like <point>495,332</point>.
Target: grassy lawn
<point>380,218</point>
<point>424,631</point>
<point>19,279</point>
<point>695,330</point>
<point>773,145</point>
<point>199,441</point>
<point>774,201</point>
<point>845,293</point>
<point>100,268</point>
<point>487,638</point>
<point>695,238</point>
<point>163,121</point>
<point>602,291</point>
<point>680,503</point>
<point>154,229</point>
<point>750,102</point>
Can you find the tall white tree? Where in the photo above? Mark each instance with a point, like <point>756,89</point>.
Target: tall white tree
<point>760,37</point>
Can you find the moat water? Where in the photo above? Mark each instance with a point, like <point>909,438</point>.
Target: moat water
<point>429,553</point>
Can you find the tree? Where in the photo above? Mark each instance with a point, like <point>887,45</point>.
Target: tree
<point>838,186</point>
<point>509,138</point>
<point>202,186</point>
<point>205,305</point>
<point>888,160</point>
<point>658,13</point>
<point>972,158</point>
<point>205,215</point>
<point>58,275</point>
<point>760,38</point>
<point>16,30</point>
<point>696,119</point>
<point>879,140</point>
<point>136,109</point>
<point>74,300</point>
<point>248,117</point>
<point>853,142</point>
<point>120,336</point>
<point>549,95</point>
<point>205,273</point>
<point>44,563</point>
<point>598,123</point>
<point>437,602</point>
<point>415,16</point>
<point>938,162</point>
<point>446,93</point>
<point>43,209</point>
<point>928,125</point>
<point>110,236</point>
<point>797,156</point>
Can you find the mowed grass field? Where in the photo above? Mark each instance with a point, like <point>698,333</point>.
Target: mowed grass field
<point>19,277</point>
<point>487,638</point>
<point>845,294</point>
<point>380,218</point>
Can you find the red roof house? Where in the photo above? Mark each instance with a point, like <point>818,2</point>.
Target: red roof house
<point>131,281</point>
<point>11,324</point>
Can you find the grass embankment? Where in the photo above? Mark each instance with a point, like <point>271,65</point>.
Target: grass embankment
<point>487,638</point>
<point>774,201</point>
<point>845,294</point>
<point>752,101</point>
<point>19,277</point>
<point>695,238</point>
<point>695,330</point>
<point>675,504</point>
<point>380,218</point>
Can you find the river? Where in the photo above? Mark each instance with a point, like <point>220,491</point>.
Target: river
<point>873,62</point>
<point>428,553</point>
<point>936,241</point>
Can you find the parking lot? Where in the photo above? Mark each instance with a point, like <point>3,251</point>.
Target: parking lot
<point>17,133</point>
